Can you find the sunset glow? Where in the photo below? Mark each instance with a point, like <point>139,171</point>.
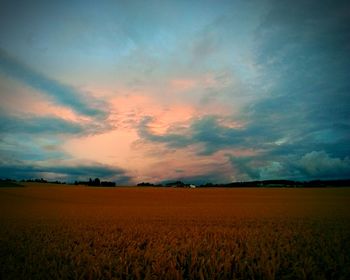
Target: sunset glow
<point>212,91</point>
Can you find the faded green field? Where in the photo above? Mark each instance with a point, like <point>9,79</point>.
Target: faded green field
<point>69,232</point>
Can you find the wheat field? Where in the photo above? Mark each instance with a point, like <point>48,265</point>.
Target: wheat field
<point>75,232</point>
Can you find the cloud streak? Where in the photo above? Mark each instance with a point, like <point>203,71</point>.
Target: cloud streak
<point>213,136</point>
<point>38,125</point>
<point>61,93</point>
<point>66,172</point>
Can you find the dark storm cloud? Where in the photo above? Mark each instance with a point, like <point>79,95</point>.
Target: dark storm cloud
<point>303,122</point>
<point>28,151</point>
<point>213,136</point>
<point>77,172</point>
<point>312,165</point>
<point>33,125</point>
<point>32,141</point>
<point>300,125</point>
<point>292,159</point>
<point>211,177</point>
<point>303,48</point>
<point>39,138</point>
<point>61,93</point>
<point>245,167</point>
<point>318,164</point>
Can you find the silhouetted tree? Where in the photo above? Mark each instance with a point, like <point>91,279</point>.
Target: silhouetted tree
<point>97,182</point>
<point>107,184</point>
<point>145,184</point>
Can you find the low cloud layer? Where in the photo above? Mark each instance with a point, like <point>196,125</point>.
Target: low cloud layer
<point>64,172</point>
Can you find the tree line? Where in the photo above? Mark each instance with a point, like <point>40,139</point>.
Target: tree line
<point>96,183</point>
<point>179,184</point>
<point>258,184</point>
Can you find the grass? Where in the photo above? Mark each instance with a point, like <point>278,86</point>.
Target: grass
<point>69,232</point>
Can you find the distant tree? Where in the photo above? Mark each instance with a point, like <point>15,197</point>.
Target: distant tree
<point>107,184</point>
<point>145,184</point>
<point>41,180</point>
<point>97,182</point>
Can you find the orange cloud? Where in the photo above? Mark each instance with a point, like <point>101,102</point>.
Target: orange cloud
<point>129,110</point>
<point>112,147</point>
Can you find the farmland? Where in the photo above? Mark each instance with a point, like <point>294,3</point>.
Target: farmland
<point>59,232</point>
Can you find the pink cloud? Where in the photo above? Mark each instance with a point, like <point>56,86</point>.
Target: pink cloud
<point>129,110</point>
<point>21,100</point>
<point>112,147</point>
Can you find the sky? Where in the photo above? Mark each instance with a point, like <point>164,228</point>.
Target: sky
<point>154,91</point>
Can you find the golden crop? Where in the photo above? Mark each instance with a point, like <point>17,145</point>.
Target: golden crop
<point>69,232</point>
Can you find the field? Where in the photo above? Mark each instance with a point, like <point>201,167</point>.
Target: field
<point>74,232</point>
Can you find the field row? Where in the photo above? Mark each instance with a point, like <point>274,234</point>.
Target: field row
<point>134,233</point>
<point>244,250</point>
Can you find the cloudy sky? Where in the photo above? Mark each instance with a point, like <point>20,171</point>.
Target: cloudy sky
<point>199,91</point>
